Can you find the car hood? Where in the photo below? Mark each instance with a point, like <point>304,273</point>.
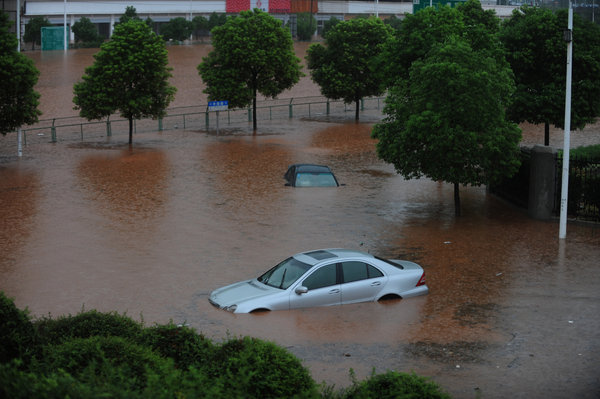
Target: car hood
<point>236,293</point>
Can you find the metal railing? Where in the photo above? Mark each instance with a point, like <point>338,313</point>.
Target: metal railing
<point>584,188</point>
<point>197,118</point>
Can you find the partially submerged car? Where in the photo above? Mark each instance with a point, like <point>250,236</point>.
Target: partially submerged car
<point>309,175</point>
<point>323,277</point>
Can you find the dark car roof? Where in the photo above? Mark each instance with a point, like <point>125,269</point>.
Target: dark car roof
<point>310,168</point>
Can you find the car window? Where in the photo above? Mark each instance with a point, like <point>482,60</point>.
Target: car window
<point>315,180</point>
<point>284,274</point>
<point>355,271</point>
<point>322,277</point>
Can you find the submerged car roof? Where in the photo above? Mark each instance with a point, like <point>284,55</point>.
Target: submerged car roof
<point>311,168</point>
<point>316,256</point>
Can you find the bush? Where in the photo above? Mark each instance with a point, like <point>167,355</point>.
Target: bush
<point>182,344</point>
<point>255,368</point>
<point>85,325</point>
<point>396,385</point>
<point>112,363</point>
<point>17,335</point>
<point>306,26</point>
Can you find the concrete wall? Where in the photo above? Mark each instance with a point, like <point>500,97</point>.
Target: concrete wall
<point>542,182</point>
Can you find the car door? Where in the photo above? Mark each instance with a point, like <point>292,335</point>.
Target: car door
<point>361,281</point>
<point>323,289</point>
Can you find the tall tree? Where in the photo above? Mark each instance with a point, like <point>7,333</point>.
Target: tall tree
<point>306,25</point>
<point>536,50</point>
<point>130,74</point>
<point>33,30</point>
<point>345,67</point>
<point>446,121</point>
<point>253,53</point>
<point>18,77</point>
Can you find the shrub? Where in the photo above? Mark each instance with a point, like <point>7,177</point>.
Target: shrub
<point>85,325</point>
<point>17,335</point>
<point>110,362</point>
<point>182,344</point>
<point>252,367</point>
<point>396,385</point>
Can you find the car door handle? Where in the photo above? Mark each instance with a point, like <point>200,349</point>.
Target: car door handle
<point>376,283</point>
<point>335,291</point>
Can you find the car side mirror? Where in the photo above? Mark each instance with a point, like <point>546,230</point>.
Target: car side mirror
<point>301,290</point>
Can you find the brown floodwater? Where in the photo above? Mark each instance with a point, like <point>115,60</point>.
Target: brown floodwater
<point>150,230</point>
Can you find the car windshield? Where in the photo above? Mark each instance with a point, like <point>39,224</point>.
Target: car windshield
<point>315,180</point>
<point>284,274</point>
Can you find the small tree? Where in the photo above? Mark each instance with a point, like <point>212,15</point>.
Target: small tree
<point>344,68</point>
<point>130,75</point>
<point>216,19</point>
<point>446,121</point>
<point>306,25</point>
<point>177,29</point>
<point>18,77</point>
<point>85,31</point>
<point>252,54</point>
<point>200,25</point>
<point>33,30</point>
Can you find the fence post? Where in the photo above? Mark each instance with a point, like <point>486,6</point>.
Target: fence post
<point>206,119</point>
<point>327,106</point>
<point>291,111</point>
<point>81,130</point>
<point>108,129</point>
<point>160,127</point>
<point>249,114</point>
<point>541,182</point>
<point>362,104</point>
<point>53,131</point>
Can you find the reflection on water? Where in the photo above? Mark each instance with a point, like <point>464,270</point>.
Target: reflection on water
<point>152,230</point>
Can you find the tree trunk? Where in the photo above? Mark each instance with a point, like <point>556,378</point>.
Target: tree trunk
<point>254,112</point>
<point>546,134</point>
<point>130,130</point>
<point>357,114</point>
<point>456,200</point>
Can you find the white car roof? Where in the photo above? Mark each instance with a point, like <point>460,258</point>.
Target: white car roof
<point>315,256</point>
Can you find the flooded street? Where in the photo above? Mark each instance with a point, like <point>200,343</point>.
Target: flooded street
<point>151,230</point>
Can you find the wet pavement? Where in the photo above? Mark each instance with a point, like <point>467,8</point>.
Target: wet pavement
<point>151,230</point>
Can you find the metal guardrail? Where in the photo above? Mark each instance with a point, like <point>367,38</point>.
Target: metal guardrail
<point>584,188</point>
<point>192,118</point>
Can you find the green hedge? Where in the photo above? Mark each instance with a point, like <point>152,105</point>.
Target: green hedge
<point>107,355</point>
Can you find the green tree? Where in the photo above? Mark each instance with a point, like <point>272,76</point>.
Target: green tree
<point>130,13</point>
<point>216,19</point>
<point>536,50</point>
<point>130,74</point>
<point>253,53</point>
<point>345,68</point>
<point>306,25</point>
<point>446,121</point>
<point>329,24</point>
<point>177,29</point>
<point>200,25</point>
<point>85,31</point>
<point>33,30</point>
<point>18,77</point>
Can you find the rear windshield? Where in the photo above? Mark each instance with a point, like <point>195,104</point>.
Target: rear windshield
<point>389,262</point>
<point>315,180</point>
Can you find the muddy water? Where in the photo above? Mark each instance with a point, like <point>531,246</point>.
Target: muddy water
<point>151,230</point>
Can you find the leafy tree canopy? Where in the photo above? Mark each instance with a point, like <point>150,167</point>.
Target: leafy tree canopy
<point>18,77</point>
<point>33,30</point>
<point>252,53</point>
<point>536,50</point>
<point>200,26</point>
<point>446,120</point>
<point>85,31</point>
<point>130,74</point>
<point>307,24</point>
<point>329,24</point>
<point>177,29</point>
<point>345,68</point>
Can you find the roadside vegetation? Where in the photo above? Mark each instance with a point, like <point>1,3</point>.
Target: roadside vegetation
<point>99,355</point>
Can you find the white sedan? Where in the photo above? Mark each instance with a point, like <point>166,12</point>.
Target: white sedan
<point>323,277</point>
